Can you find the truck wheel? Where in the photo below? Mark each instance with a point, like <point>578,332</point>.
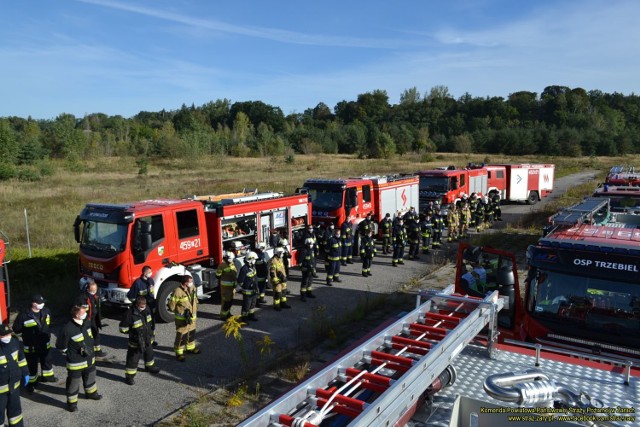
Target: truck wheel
<point>166,292</point>
<point>533,198</point>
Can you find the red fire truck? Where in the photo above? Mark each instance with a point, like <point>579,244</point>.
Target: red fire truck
<point>623,175</point>
<point>622,198</point>
<point>335,200</point>
<point>4,279</point>
<point>581,292</point>
<point>178,237</point>
<point>513,182</point>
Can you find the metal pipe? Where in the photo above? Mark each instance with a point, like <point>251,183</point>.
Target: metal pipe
<point>503,386</point>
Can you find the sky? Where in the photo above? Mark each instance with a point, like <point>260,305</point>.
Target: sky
<point>121,57</point>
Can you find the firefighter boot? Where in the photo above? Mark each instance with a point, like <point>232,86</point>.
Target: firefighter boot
<point>284,304</point>
<point>153,369</point>
<point>72,407</point>
<point>94,396</point>
<point>303,296</point>
<point>129,379</point>
<point>310,294</point>
<point>252,317</point>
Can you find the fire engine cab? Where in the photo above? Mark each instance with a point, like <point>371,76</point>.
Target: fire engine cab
<point>583,288</point>
<point>177,237</point>
<point>335,200</point>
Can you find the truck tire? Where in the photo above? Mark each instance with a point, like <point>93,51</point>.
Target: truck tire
<point>533,198</point>
<point>166,292</point>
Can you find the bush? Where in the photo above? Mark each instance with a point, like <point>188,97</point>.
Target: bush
<point>7,171</point>
<point>28,174</point>
<point>46,168</point>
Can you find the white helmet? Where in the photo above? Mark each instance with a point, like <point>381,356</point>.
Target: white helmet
<point>229,256</point>
<point>262,246</point>
<point>251,256</point>
<point>279,251</point>
<point>236,245</point>
<point>284,242</point>
<point>309,241</point>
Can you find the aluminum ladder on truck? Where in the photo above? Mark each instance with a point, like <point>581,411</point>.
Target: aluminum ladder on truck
<point>380,381</point>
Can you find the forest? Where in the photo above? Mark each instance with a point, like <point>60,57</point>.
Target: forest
<point>558,121</point>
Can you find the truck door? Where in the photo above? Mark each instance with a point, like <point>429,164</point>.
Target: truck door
<point>190,239</point>
<point>351,202</point>
<point>148,241</point>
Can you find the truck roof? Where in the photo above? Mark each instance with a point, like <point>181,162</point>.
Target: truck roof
<point>617,190</point>
<point>596,237</point>
<point>526,165</point>
<point>142,206</point>
<point>364,179</point>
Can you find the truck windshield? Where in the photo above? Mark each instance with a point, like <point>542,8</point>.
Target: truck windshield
<point>593,309</point>
<point>621,203</point>
<point>104,237</point>
<point>326,199</point>
<point>434,183</point>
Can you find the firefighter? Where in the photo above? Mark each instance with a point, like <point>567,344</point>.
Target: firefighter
<point>262,273</point>
<point>307,266</point>
<point>476,212</point>
<point>364,226</point>
<point>488,212</point>
<point>465,218</point>
<point>367,252</point>
<point>386,225</point>
<point>410,216</point>
<point>184,304</point>
<point>453,221</point>
<point>91,299</point>
<point>497,211</point>
<point>76,342</point>
<point>286,255</point>
<point>399,236</point>
<point>329,231</point>
<point>414,235</point>
<point>438,227</point>
<point>346,231</point>
<point>144,286</point>
<point>226,275</point>
<point>278,279</point>
<point>33,323</point>
<point>334,251</point>
<point>426,230</point>
<point>248,285</point>
<point>138,323</point>
<point>474,280</point>
<point>274,239</point>
<point>14,373</point>
<point>310,234</point>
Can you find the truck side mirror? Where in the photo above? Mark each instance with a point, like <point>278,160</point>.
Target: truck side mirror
<point>76,229</point>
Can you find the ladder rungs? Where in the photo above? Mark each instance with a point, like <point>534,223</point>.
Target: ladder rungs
<point>441,318</point>
<point>340,409</point>
<point>350,402</point>
<point>411,342</point>
<point>288,420</point>
<point>374,378</point>
<point>405,361</point>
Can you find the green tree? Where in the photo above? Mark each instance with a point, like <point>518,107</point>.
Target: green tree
<point>8,143</point>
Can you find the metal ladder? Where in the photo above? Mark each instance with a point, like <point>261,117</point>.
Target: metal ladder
<point>377,383</point>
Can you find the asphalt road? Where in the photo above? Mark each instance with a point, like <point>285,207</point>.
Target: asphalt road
<point>223,360</point>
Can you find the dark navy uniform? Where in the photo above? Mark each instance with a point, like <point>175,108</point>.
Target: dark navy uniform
<point>13,372</point>
<point>334,253</point>
<point>36,337</point>
<point>367,252</point>
<point>139,325</point>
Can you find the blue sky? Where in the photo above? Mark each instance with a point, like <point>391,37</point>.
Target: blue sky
<point>125,56</point>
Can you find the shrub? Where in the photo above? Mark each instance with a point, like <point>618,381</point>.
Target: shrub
<point>7,171</point>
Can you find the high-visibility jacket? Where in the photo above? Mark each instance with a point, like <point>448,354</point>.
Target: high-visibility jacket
<point>139,325</point>
<point>76,341</point>
<point>34,327</point>
<point>181,301</point>
<point>307,257</point>
<point>227,273</point>
<point>13,366</point>
<point>248,280</point>
<point>277,273</point>
<point>334,248</point>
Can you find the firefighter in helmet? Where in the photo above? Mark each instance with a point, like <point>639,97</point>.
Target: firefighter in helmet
<point>278,277</point>
<point>226,275</point>
<point>248,286</point>
<point>307,265</point>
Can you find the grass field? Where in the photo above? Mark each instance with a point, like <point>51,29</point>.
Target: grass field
<point>53,202</point>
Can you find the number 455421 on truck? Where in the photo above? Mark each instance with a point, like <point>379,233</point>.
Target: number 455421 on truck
<point>178,237</point>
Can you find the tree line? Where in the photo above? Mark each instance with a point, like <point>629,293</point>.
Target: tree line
<point>560,121</point>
